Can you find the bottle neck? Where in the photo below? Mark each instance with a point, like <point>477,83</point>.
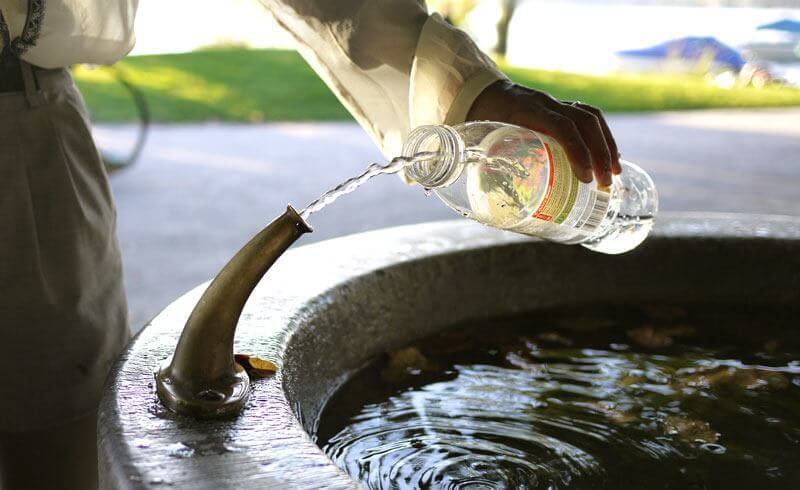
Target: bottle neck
<point>441,153</point>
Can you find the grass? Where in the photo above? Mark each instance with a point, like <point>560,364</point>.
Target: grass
<point>241,85</point>
<point>225,84</point>
<point>639,93</point>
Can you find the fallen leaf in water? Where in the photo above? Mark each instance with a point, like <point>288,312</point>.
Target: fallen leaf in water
<point>648,336</point>
<point>689,430</point>
<point>554,338</point>
<point>255,366</point>
<point>405,364</point>
<point>659,337</point>
<point>736,378</point>
<point>760,379</point>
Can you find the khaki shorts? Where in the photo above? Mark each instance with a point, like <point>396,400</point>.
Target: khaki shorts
<point>63,315</point>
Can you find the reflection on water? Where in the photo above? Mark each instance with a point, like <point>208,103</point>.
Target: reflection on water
<point>662,397</point>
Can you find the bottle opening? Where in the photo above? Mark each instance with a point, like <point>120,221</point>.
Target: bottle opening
<point>443,149</point>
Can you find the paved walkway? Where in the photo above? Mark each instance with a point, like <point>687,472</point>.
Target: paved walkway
<point>200,191</point>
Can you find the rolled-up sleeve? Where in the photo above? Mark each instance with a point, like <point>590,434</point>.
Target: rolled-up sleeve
<point>75,31</point>
<point>448,74</point>
<point>390,63</point>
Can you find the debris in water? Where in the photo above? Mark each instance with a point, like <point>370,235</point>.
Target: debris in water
<point>406,363</point>
<point>721,377</point>
<point>554,338</point>
<point>689,430</point>
<point>658,338</point>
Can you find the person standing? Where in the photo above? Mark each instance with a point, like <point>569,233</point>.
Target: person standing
<point>63,314</point>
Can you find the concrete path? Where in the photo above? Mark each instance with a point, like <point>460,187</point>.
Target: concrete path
<point>199,192</point>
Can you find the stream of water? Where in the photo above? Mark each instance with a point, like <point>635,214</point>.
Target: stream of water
<point>396,165</point>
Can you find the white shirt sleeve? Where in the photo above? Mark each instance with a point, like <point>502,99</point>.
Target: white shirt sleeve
<point>393,66</point>
<point>75,31</point>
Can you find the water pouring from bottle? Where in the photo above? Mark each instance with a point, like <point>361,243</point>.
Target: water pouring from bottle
<point>519,180</point>
<point>396,165</point>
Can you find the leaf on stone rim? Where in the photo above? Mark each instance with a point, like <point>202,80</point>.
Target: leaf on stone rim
<point>255,366</point>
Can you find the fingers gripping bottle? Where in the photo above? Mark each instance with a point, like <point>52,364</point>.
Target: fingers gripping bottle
<point>520,180</point>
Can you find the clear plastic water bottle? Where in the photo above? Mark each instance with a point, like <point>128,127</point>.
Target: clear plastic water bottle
<point>520,180</point>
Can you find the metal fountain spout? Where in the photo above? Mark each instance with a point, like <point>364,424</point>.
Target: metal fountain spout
<point>202,379</point>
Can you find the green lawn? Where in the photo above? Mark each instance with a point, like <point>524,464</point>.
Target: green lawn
<point>273,85</point>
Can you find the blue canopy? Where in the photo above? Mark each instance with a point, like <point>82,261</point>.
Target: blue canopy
<point>691,49</point>
<point>787,25</point>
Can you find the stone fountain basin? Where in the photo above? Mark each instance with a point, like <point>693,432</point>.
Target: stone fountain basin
<point>325,309</point>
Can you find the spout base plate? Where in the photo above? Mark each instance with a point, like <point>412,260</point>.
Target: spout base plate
<point>221,399</point>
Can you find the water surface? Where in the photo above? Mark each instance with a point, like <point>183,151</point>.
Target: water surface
<point>654,397</point>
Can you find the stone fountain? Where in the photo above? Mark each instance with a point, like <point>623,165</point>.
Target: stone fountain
<point>325,309</point>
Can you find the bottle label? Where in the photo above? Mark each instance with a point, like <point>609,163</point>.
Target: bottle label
<point>525,183</point>
<point>566,200</point>
<point>562,186</point>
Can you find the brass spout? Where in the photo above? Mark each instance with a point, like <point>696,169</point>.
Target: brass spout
<point>202,379</point>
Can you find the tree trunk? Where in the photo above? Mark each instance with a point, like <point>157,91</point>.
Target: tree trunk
<point>507,11</point>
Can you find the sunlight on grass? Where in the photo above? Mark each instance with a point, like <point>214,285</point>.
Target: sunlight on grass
<point>162,84</point>
<point>165,79</point>
<point>242,85</point>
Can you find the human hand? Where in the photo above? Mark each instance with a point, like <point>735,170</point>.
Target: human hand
<point>580,128</point>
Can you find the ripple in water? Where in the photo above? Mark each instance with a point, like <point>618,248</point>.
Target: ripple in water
<point>655,398</point>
